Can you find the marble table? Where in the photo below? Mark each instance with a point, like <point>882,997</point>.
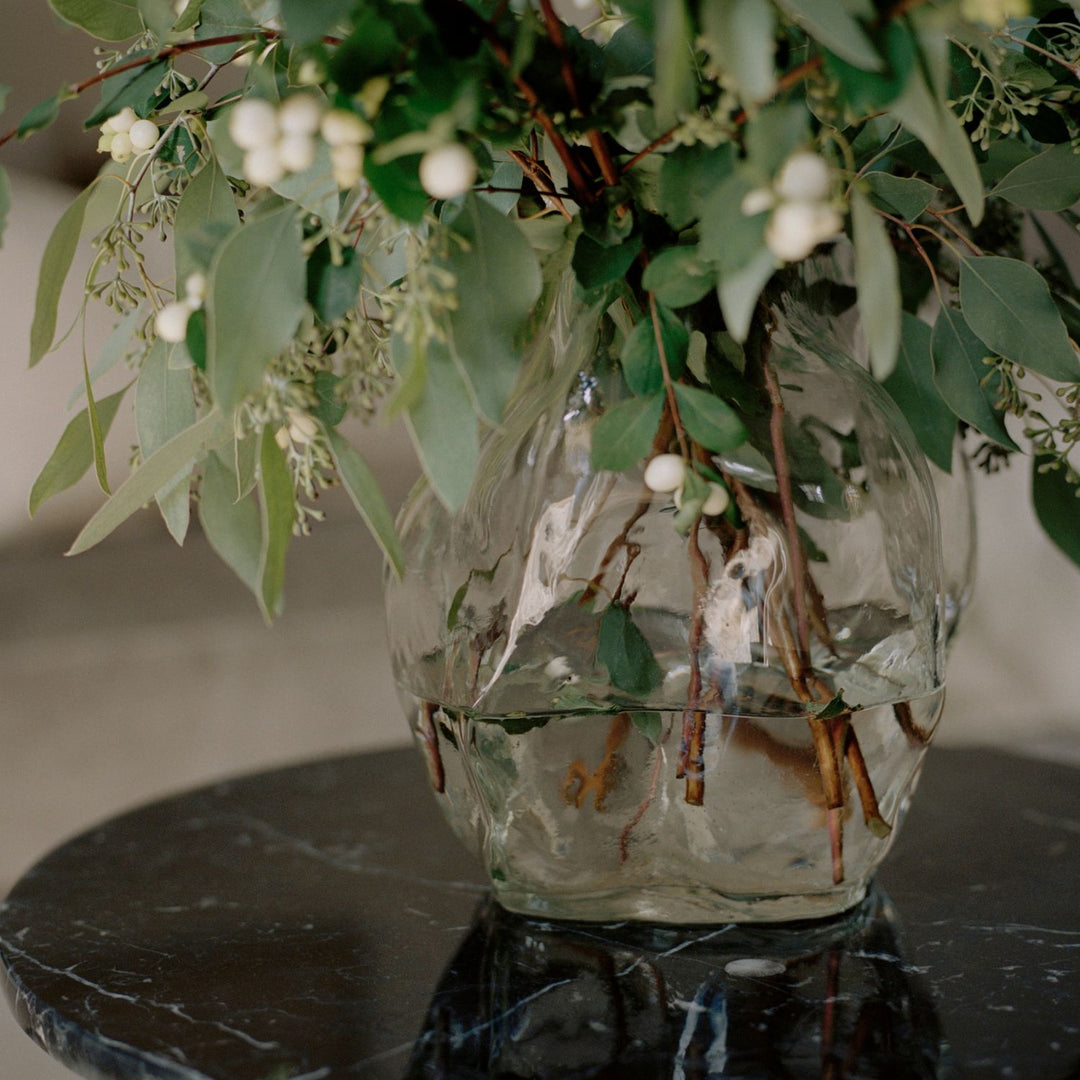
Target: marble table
<point>321,922</point>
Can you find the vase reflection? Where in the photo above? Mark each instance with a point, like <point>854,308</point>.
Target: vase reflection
<point>529,999</point>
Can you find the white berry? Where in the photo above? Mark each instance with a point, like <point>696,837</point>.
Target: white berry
<point>143,135</point>
<point>796,228</point>
<point>665,472</point>
<point>300,115</point>
<point>311,72</point>
<point>253,124</point>
<point>302,428</point>
<point>171,321</point>
<point>122,121</point>
<point>447,171</point>
<point>296,151</point>
<point>195,288</point>
<point>805,177</point>
<point>120,148</point>
<point>262,166</point>
<point>757,201</point>
<point>340,127</point>
<point>717,501</point>
<point>347,162</point>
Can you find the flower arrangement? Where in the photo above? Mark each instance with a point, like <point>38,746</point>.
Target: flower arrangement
<point>373,205</point>
<point>388,175</point>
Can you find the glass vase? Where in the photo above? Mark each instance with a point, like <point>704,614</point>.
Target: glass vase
<point>725,722</point>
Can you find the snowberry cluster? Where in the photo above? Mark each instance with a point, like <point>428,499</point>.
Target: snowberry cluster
<point>171,321</point>
<point>275,141</point>
<point>667,473</point>
<point>301,429</point>
<point>125,135</point>
<point>801,202</point>
<point>345,133</point>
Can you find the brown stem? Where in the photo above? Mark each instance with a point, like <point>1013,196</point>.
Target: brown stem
<point>580,781</point>
<point>430,736</point>
<point>692,748</point>
<point>669,386</point>
<point>624,836</point>
<point>916,736</point>
<point>541,179</point>
<point>787,508</point>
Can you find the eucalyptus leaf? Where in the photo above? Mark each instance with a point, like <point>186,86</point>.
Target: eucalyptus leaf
<point>905,197</point>
<point>624,651</point>
<point>623,434</point>
<point>231,524</point>
<point>39,117</point>
<point>911,385</point>
<point>959,374</point>
<point>135,89</point>
<point>109,20</point>
<point>877,281</point>
<point>55,264</point>
<point>74,453</point>
<point>207,202</point>
<point>675,83</point>
<point>742,32</point>
<point>144,483</point>
<point>333,288</point>
<point>1048,181</point>
<point>307,22</point>
<point>313,188</point>
<point>164,407</point>
<point>1008,305</point>
<point>441,420</point>
<point>1057,506</point>
<point>277,515</point>
<point>678,277</point>
<point>934,124</point>
<point>498,284</point>
<point>739,289</point>
<point>708,420</point>
<point>687,178</point>
<point>363,489</point>
<point>640,357</point>
<point>836,29</point>
<point>256,298</point>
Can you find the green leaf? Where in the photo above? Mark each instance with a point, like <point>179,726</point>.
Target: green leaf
<point>331,409</point>
<point>640,357</point>
<point>688,176</point>
<point>332,289</point>
<point>231,524</point>
<point>314,188</point>
<point>678,277</point>
<point>1048,181</point>
<point>596,265</point>
<point>1057,506</point>
<point>74,453</point>
<point>306,22</point>
<point>397,183</point>
<point>623,650</point>
<point>55,264</point>
<point>835,706</point>
<point>1008,305</point>
<point>136,88</point>
<point>877,280</point>
<point>144,483</point>
<point>109,20</point>
<point>836,29</point>
<point>440,419</point>
<point>738,291</point>
<point>277,514</point>
<point>39,117</point>
<point>905,197</point>
<point>207,201</point>
<point>911,385</point>
<point>675,81</point>
<point>623,434</point>
<point>97,435</point>
<point>158,16</point>
<point>935,125</point>
<point>255,301</point>
<point>364,491</point>
<point>959,372</point>
<point>772,137</point>
<point>649,724</point>
<point>164,407</point>
<point>742,33</point>
<point>868,92</point>
<point>708,420</point>
<point>498,285</point>
<point>5,202</point>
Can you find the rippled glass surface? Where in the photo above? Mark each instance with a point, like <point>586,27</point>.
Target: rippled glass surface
<point>626,721</point>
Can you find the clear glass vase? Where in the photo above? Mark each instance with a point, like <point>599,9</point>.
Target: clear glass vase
<point>625,722</point>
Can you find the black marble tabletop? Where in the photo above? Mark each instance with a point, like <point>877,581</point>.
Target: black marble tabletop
<point>321,922</point>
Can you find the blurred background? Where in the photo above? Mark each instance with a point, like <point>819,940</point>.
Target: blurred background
<point>140,669</point>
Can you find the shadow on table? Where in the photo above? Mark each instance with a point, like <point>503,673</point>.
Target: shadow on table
<point>523,998</point>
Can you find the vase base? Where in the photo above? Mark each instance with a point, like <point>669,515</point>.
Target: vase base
<point>681,905</point>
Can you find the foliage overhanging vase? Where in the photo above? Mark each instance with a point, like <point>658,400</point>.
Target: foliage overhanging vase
<point>626,720</point>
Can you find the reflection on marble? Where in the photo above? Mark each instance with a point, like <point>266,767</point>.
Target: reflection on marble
<point>528,999</point>
<point>320,922</point>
